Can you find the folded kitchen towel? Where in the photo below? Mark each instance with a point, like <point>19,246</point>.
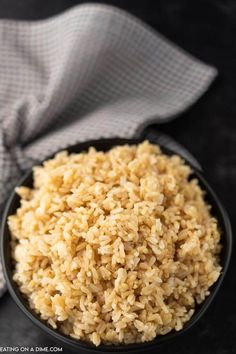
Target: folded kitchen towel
<point>93,71</point>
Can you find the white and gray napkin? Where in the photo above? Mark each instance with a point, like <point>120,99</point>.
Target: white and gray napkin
<point>93,71</point>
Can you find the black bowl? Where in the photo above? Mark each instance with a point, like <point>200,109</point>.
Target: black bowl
<point>82,347</point>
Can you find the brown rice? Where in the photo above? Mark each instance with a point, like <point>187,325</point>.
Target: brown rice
<point>114,247</point>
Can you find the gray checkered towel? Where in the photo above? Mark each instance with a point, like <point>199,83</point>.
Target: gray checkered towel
<point>93,71</point>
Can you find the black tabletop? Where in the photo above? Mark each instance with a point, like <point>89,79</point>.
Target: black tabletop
<point>207,29</point>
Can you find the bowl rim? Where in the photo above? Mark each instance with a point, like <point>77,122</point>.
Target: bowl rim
<point>78,344</point>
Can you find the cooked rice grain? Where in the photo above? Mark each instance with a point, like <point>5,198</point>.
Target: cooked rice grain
<point>114,247</point>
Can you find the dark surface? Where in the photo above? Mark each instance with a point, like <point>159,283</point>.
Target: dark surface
<point>206,29</point>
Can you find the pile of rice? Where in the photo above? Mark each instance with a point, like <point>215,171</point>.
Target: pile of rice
<point>114,247</point>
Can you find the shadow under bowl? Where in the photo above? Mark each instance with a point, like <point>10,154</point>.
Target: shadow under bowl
<point>82,347</point>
